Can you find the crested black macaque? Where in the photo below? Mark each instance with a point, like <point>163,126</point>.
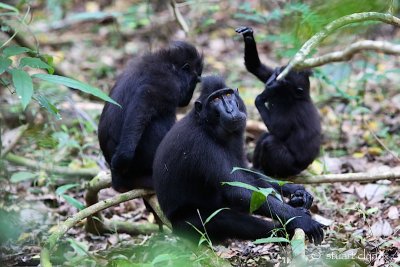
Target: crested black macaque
<point>198,154</point>
<point>149,91</point>
<point>285,106</point>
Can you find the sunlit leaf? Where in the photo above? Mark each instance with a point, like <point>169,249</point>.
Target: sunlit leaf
<point>34,62</point>
<point>71,83</point>
<point>23,85</point>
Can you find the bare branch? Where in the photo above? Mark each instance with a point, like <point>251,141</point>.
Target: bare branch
<point>330,28</point>
<point>349,52</point>
<point>179,17</point>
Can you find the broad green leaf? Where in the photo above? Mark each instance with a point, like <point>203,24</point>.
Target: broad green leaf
<point>213,214</point>
<point>263,176</point>
<point>64,188</point>
<point>34,62</point>
<point>15,50</point>
<point>75,85</point>
<point>22,176</point>
<point>73,202</point>
<point>269,191</point>
<point>23,85</point>
<point>5,6</point>
<point>4,64</point>
<point>240,184</point>
<point>256,201</point>
<point>44,102</point>
<point>271,240</point>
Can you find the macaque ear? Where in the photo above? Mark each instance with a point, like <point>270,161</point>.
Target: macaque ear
<point>198,106</point>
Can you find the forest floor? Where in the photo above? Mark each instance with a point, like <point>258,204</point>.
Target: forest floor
<point>363,220</point>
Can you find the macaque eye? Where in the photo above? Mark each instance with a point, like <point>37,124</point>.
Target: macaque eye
<point>186,66</point>
<point>228,95</point>
<point>300,89</point>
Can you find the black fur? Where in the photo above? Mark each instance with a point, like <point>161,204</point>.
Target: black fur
<point>197,155</point>
<point>149,90</point>
<point>285,106</point>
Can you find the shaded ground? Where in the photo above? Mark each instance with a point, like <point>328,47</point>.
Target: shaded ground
<point>359,104</point>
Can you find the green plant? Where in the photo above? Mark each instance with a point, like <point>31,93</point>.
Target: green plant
<point>21,64</point>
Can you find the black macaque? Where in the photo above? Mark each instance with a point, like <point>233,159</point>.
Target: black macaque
<point>198,154</point>
<point>149,91</point>
<point>285,106</point>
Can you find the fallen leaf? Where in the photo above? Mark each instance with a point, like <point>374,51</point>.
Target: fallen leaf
<point>372,192</point>
<point>381,228</point>
<point>323,220</point>
<point>393,213</point>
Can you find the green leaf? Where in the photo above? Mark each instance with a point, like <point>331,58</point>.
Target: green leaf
<point>271,240</point>
<point>73,202</point>
<point>44,102</point>
<point>5,6</point>
<point>22,176</point>
<point>213,214</point>
<point>34,62</point>
<point>64,188</point>
<point>15,50</point>
<point>4,64</point>
<point>268,191</point>
<point>23,85</point>
<point>256,201</point>
<point>263,176</point>
<point>240,184</point>
<point>75,85</point>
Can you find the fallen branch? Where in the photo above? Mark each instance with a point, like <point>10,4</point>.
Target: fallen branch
<point>330,28</point>
<point>70,222</point>
<point>349,52</point>
<point>65,171</point>
<point>96,224</point>
<point>348,177</point>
